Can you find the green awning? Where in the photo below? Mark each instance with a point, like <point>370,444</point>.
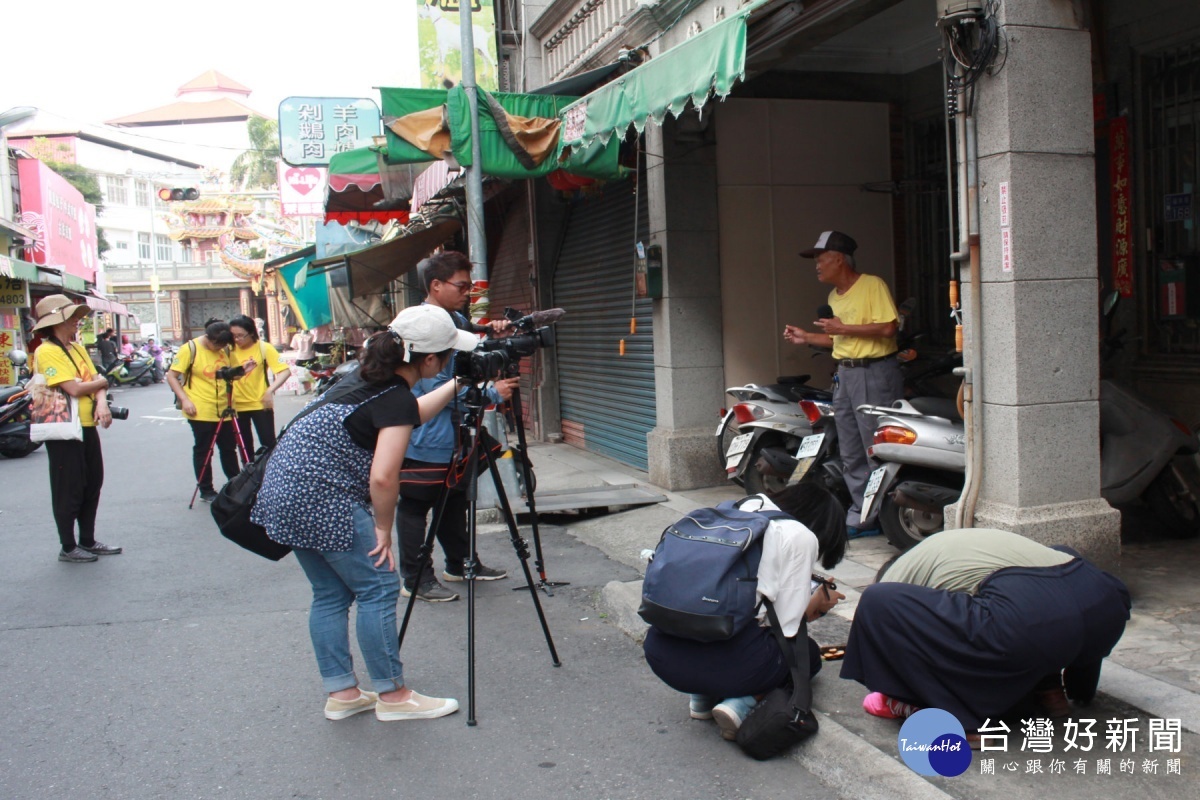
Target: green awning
<point>16,268</point>
<point>310,300</point>
<point>709,63</point>
<point>74,283</point>
<point>597,161</point>
<point>359,161</point>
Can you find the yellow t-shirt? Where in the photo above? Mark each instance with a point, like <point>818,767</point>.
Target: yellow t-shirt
<point>204,389</point>
<point>248,390</point>
<point>868,301</point>
<point>52,362</point>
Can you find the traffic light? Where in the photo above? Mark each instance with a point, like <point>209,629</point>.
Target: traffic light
<point>177,194</point>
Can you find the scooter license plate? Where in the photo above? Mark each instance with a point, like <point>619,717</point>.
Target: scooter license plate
<point>872,489</point>
<point>806,455</point>
<point>733,455</point>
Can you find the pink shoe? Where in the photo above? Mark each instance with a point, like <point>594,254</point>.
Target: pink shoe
<point>878,704</point>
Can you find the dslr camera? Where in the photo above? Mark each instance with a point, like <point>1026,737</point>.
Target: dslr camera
<point>230,373</point>
<point>494,358</point>
<point>118,412</point>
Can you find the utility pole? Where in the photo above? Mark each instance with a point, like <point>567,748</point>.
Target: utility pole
<point>476,241</point>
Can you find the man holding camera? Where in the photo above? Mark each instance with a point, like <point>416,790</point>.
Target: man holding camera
<point>428,468</point>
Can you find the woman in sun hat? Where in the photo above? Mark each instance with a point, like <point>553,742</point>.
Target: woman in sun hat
<point>330,492</point>
<point>76,467</point>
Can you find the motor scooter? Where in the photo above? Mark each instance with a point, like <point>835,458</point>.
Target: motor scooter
<point>758,434</point>
<point>921,443</point>
<point>140,369</point>
<point>1145,454</point>
<point>14,412</point>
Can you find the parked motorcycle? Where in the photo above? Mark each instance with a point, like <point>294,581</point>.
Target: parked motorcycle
<point>922,444</point>
<point>14,412</point>
<point>1145,454</point>
<point>140,369</point>
<point>758,435</point>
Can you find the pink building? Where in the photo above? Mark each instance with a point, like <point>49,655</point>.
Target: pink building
<point>65,224</point>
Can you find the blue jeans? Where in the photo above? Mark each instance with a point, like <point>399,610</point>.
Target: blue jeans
<point>339,579</point>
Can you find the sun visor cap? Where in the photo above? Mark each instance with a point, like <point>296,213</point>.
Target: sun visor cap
<point>429,329</point>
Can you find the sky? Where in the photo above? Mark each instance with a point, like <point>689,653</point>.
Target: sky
<point>83,62</point>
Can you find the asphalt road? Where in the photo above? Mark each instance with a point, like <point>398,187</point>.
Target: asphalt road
<point>182,668</point>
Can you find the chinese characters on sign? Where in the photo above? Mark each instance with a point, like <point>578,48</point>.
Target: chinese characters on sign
<point>8,340</point>
<point>573,126</point>
<point>14,293</point>
<point>1006,249</point>
<point>1122,210</point>
<point>1133,746</point>
<point>312,129</point>
<point>1178,207</point>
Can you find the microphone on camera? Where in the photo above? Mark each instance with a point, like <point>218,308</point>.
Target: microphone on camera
<point>536,319</point>
<point>825,311</point>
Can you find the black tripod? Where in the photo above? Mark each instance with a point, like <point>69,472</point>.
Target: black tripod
<point>539,561</point>
<point>475,445</point>
<point>228,415</point>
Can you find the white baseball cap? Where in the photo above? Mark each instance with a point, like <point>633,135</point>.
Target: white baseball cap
<point>429,329</point>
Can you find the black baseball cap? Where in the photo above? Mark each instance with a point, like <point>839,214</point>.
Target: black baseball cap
<point>831,240</point>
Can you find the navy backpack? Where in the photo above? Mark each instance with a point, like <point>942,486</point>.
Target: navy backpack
<point>701,583</point>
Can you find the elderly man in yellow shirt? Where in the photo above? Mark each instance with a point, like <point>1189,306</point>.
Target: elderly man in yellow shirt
<point>862,332</point>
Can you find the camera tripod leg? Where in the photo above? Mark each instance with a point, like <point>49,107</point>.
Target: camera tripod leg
<point>521,548</point>
<point>207,466</point>
<point>539,561</point>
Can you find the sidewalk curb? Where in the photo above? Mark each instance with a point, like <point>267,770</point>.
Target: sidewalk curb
<point>845,762</point>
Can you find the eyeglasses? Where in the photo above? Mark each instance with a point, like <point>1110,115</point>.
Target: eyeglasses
<point>239,336</point>
<point>462,286</point>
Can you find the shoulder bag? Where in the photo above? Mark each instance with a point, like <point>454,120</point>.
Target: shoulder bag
<point>53,414</point>
<point>782,718</point>
<point>231,509</point>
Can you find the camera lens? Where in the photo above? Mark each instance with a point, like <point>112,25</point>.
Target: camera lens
<point>118,412</point>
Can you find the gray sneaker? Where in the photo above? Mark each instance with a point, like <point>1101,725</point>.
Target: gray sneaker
<point>431,592</point>
<point>77,556</point>
<point>101,549</point>
<point>482,573</point>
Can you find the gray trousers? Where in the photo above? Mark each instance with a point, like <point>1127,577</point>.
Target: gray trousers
<point>878,384</point>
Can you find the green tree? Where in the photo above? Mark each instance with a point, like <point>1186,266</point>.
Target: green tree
<point>84,180</point>
<point>256,168</point>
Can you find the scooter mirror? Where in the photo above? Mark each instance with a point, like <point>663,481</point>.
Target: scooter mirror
<point>17,357</point>
<point>1109,305</point>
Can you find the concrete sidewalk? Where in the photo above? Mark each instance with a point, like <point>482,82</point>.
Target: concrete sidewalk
<point>1153,673</point>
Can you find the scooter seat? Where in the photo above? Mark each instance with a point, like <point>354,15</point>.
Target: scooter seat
<point>943,407</point>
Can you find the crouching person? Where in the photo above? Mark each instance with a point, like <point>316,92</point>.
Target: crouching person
<point>975,621</point>
<point>724,654</point>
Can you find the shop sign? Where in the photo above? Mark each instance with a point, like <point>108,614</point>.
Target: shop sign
<point>1178,207</point>
<point>1122,208</point>
<point>14,293</point>
<point>312,129</point>
<point>8,340</point>
<point>302,190</point>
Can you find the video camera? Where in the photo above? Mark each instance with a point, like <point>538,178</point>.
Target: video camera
<point>496,357</point>
<point>230,373</point>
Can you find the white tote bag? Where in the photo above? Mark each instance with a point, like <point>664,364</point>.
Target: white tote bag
<point>53,414</point>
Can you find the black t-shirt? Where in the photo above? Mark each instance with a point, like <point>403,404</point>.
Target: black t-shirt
<point>397,407</point>
<point>108,349</point>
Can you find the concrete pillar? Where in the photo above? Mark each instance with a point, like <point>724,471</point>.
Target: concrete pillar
<point>246,302</point>
<point>688,368</point>
<point>177,315</point>
<point>1039,322</point>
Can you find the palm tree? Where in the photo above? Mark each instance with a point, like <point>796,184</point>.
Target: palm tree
<point>256,168</point>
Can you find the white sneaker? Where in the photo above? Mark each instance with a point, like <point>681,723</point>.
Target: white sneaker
<point>418,706</point>
<point>340,709</point>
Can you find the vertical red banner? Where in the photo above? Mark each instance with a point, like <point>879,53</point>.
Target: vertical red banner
<point>1122,211</point>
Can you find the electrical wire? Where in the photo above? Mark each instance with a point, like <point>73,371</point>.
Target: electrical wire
<point>973,45</point>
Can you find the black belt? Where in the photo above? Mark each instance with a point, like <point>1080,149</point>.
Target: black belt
<point>863,362</point>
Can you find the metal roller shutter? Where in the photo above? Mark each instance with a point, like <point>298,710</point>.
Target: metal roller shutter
<point>607,400</point>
